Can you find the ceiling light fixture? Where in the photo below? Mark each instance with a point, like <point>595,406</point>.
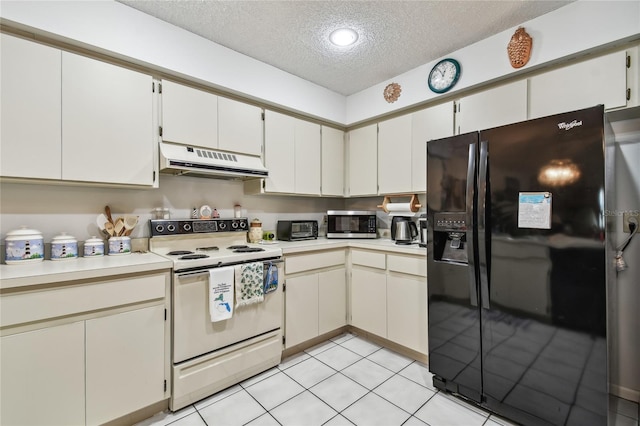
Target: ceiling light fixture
<point>343,37</point>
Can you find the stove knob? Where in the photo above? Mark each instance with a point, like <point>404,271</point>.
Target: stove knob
<point>186,227</point>
<point>159,228</point>
<point>243,224</point>
<point>171,228</point>
<point>234,225</point>
<point>222,225</point>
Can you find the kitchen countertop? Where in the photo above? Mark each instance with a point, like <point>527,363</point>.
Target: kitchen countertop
<point>51,272</point>
<point>380,244</point>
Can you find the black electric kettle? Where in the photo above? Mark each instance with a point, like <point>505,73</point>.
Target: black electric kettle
<point>403,230</point>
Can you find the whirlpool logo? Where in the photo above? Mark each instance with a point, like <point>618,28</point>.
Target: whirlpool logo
<point>569,126</point>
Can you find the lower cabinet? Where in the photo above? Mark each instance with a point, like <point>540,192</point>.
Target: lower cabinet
<point>108,358</point>
<point>315,295</point>
<point>389,297</point>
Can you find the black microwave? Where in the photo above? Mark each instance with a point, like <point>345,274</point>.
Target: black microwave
<point>351,224</point>
<point>294,230</point>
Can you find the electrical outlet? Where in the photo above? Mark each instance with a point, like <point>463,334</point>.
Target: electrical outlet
<point>630,217</point>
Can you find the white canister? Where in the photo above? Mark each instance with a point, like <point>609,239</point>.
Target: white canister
<point>64,247</point>
<point>93,247</point>
<point>255,231</point>
<point>119,245</point>
<point>24,245</point>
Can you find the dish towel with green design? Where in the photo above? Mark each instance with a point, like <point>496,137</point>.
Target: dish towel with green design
<point>249,283</point>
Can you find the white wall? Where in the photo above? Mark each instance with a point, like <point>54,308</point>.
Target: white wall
<point>52,209</point>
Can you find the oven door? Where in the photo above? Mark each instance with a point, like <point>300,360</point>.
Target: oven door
<point>193,332</point>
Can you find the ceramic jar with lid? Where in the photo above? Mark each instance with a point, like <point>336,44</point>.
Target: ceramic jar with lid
<point>23,246</point>
<point>255,231</point>
<point>119,245</point>
<point>64,247</point>
<point>93,247</point>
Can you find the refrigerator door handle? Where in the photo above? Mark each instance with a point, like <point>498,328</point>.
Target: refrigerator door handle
<point>471,176</point>
<point>483,265</point>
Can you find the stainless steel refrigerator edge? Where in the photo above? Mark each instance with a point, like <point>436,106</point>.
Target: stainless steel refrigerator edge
<point>517,266</point>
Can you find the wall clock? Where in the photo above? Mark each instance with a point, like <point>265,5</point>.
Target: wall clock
<point>444,75</point>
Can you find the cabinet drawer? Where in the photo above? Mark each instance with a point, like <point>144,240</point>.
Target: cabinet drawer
<point>408,265</point>
<point>74,299</point>
<point>368,258</point>
<point>323,259</point>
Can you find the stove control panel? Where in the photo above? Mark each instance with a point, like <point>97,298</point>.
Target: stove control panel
<point>162,227</point>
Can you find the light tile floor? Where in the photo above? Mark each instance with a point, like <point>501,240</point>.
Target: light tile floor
<point>344,381</point>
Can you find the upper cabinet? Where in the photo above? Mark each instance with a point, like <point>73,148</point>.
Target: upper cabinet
<point>198,118</point>
<point>292,156</point>
<point>332,173</point>
<point>362,170</point>
<point>394,155</point>
<point>240,127</point>
<point>430,123</point>
<point>68,117</point>
<point>494,107</point>
<point>189,116</point>
<point>30,102</point>
<point>601,80</point>
<point>107,123</point>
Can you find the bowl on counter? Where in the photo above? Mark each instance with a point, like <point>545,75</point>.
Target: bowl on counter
<point>24,245</point>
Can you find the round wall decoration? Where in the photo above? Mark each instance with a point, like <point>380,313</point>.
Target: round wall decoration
<point>392,92</point>
<point>444,75</point>
<point>519,48</point>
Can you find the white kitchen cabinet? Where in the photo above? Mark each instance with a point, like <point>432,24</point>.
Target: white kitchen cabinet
<point>240,127</point>
<point>362,163</point>
<point>332,300</point>
<point>394,155</point>
<point>125,363</point>
<point>601,80</point>
<point>42,376</point>
<point>292,156</point>
<point>189,116</point>
<point>494,107</point>
<point>332,172</point>
<point>369,300</point>
<point>107,123</point>
<point>301,309</point>
<point>430,123</point>
<point>100,350</point>
<point>407,311</point>
<point>315,295</point>
<point>30,107</point>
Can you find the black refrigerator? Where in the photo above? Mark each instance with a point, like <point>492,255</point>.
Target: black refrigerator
<point>517,266</point>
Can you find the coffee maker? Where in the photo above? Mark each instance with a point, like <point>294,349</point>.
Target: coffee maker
<point>422,229</point>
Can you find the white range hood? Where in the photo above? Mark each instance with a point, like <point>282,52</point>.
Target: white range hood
<point>182,160</point>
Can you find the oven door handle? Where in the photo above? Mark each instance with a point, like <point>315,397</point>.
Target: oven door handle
<point>206,271</point>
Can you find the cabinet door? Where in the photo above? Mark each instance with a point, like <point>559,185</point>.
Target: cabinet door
<point>501,105</point>
<point>407,311</point>
<point>430,123</point>
<point>42,375</point>
<point>107,123</point>
<point>301,309</point>
<point>279,145</point>
<point>240,127</point>
<point>332,161</point>
<point>189,116</point>
<point>592,82</point>
<point>394,155</point>
<point>363,161</point>
<point>332,300</point>
<point>369,301</point>
<point>307,158</point>
<point>30,107</point>
<point>125,363</point>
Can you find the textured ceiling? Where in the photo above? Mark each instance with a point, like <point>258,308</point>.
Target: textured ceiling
<point>394,36</point>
